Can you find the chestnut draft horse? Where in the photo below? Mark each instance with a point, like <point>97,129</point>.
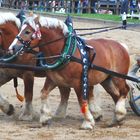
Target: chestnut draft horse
<point>52,37</point>
<point>9,28</point>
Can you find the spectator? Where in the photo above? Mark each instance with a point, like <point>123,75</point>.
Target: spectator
<point>139,4</point>
<point>133,5</point>
<point>41,5</point>
<point>21,15</point>
<point>1,3</point>
<point>48,5</point>
<point>31,5</point>
<point>85,5</point>
<point>53,5</point>
<point>24,4</point>
<point>93,6</point>
<point>124,12</point>
<point>62,3</point>
<point>79,7</point>
<point>76,6</point>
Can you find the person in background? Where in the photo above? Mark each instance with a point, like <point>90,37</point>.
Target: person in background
<point>53,5</point>
<point>85,5</point>
<point>76,6</point>
<point>21,16</point>
<point>133,5</point>
<point>1,3</point>
<point>41,5</point>
<point>93,6</point>
<point>24,5</point>
<point>124,12</point>
<point>139,4</point>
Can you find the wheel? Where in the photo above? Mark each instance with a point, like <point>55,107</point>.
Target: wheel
<point>134,98</point>
<point>134,93</point>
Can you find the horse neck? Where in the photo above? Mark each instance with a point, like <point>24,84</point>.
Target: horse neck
<point>9,31</point>
<point>51,35</point>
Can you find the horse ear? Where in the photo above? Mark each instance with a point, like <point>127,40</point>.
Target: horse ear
<point>37,19</point>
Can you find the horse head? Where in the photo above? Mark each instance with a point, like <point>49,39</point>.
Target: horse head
<point>37,31</point>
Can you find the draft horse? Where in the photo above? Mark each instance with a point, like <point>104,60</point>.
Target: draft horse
<point>9,28</point>
<point>54,39</point>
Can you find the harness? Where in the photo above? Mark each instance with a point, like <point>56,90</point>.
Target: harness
<point>72,42</point>
<point>66,56</point>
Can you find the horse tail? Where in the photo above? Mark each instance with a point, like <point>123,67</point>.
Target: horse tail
<point>125,46</point>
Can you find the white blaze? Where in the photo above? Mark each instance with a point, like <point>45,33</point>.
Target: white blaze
<point>16,40</point>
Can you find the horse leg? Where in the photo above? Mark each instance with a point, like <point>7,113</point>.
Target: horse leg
<point>45,112</point>
<point>120,109</point>
<point>89,122</point>
<point>61,110</point>
<point>93,106</point>
<point>5,106</point>
<point>27,110</point>
<point>118,91</point>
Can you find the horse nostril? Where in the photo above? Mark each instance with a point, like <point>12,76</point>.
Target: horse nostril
<point>16,48</point>
<point>11,51</point>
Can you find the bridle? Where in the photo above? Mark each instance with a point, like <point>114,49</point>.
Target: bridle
<point>28,49</point>
<point>24,43</point>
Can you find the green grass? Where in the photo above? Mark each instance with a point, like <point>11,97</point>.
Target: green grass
<point>116,18</point>
<point>105,17</point>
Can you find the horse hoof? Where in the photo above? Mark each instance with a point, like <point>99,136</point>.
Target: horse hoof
<point>120,116</point>
<point>47,122</point>
<point>11,110</point>
<point>25,117</point>
<point>87,125</point>
<point>99,118</point>
<point>115,123</point>
<point>59,116</point>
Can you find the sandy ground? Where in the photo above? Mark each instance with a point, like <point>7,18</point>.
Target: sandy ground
<point>68,128</point>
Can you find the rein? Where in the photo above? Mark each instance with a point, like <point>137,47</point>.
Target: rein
<point>105,30</point>
<point>50,42</point>
<point>82,29</point>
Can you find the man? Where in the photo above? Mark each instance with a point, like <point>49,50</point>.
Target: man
<point>124,11</point>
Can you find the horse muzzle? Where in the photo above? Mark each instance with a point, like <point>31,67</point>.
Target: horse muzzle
<point>17,49</point>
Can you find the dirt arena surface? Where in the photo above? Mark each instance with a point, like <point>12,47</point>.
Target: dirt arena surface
<point>68,128</point>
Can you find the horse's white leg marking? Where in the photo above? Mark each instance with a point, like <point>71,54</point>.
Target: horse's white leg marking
<point>94,107</point>
<point>5,106</point>
<point>27,112</point>
<point>89,122</point>
<point>95,110</point>
<point>120,109</point>
<point>61,110</point>
<point>45,111</point>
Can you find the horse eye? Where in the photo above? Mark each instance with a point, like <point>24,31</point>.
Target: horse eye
<point>27,32</point>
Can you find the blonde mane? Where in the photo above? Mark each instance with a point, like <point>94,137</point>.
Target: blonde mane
<point>4,17</point>
<point>49,23</point>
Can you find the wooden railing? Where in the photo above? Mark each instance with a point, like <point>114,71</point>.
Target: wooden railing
<point>69,6</point>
